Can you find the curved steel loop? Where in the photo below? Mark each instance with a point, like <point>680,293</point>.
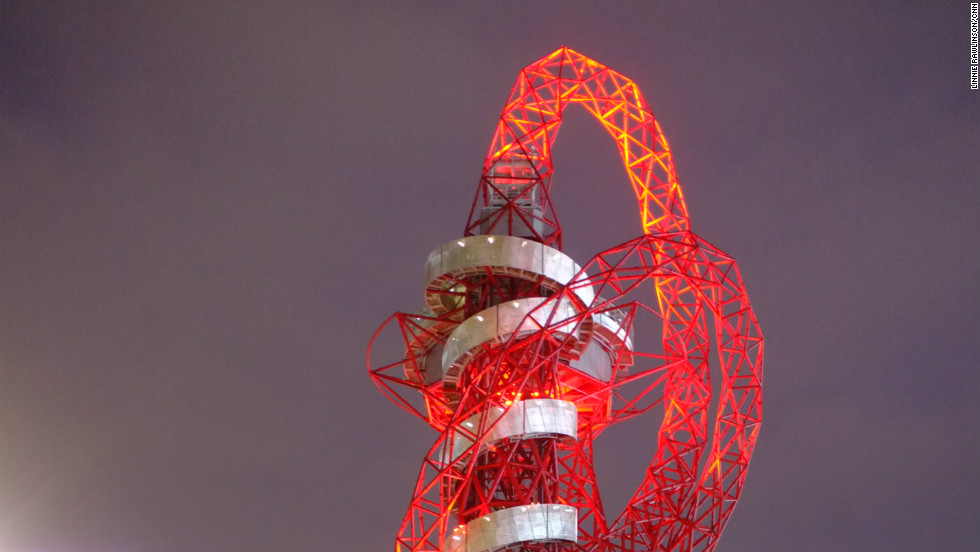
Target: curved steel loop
<point>529,124</point>
<point>683,502</point>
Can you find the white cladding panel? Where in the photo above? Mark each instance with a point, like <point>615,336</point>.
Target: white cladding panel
<point>503,528</point>
<point>525,419</point>
<point>498,323</point>
<point>511,255</point>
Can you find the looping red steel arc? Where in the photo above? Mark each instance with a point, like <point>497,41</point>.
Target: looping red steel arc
<point>520,357</point>
<point>528,127</point>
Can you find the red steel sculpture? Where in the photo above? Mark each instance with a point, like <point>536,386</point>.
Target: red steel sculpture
<point>521,357</point>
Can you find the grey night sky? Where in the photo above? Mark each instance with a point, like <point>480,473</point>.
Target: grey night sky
<point>207,208</point>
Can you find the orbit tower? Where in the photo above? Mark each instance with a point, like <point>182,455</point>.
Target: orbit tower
<point>520,357</point>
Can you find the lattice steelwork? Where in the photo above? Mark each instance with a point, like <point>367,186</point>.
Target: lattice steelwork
<point>521,357</point>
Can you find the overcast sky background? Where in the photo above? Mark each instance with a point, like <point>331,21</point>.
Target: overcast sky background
<point>206,209</point>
